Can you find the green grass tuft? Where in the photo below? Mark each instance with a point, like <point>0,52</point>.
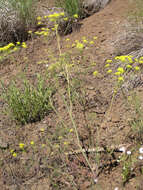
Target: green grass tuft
<point>29,104</point>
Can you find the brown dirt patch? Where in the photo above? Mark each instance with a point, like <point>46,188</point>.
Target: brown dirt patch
<point>44,165</point>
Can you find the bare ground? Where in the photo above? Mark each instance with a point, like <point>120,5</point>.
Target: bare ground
<point>47,167</point>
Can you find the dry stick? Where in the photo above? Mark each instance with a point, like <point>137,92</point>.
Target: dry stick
<point>114,148</point>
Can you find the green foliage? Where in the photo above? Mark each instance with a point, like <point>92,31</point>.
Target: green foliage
<point>126,172</point>
<point>29,104</point>
<point>72,7</point>
<point>137,122</point>
<point>25,10</point>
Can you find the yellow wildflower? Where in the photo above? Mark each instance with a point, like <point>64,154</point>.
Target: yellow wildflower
<point>107,65</point>
<point>10,45</point>
<point>136,60</point>
<point>121,70</point>
<point>65,143</point>
<point>14,154</point>
<point>79,45</point>
<point>39,18</point>
<point>21,145</point>
<point>75,15</point>
<point>120,79</point>
<point>39,23</point>
<point>71,130</point>
<point>65,19</point>
<point>141,60</point>
<point>45,33</point>
<point>109,61</point>
<point>129,66</point>
<point>109,71</point>
<point>18,43</point>
<point>24,45</point>
<point>11,151</point>
<point>32,143</point>
<point>137,68</point>
<point>117,73</point>
<point>91,42</point>
<point>84,41</point>
<point>62,14</point>
<point>15,49</point>
<point>130,58</point>
<point>95,73</point>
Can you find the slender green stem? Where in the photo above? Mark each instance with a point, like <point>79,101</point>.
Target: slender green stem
<point>58,40</point>
<point>113,98</point>
<point>74,125</point>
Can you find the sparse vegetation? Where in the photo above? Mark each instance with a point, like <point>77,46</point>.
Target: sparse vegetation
<point>30,103</point>
<point>72,133</point>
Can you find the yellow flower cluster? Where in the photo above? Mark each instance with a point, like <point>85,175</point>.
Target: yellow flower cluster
<point>24,45</point>
<point>21,145</point>
<point>79,46</point>
<point>7,47</point>
<point>75,15</point>
<point>120,70</point>
<point>125,58</point>
<point>55,16</point>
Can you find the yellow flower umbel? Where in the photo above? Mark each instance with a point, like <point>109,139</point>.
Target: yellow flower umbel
<point>39,18</point>
<point>79,46</point>
<point>117,73</point>
<point>24,45</point>
<point>107,65</point>
<point>108,61</point>
<point>120,79</point>
<point>137,68</point>
<point>65,19</point>
<point>121,70</point>
<point>141,60</point>
<point>95,37</point>
<point>32,143</point>
<point>14,154</point>
<point>95,73</point>
<point>128,66</point>
<point>7,47</point>
<point>109,71</point>
<point>75,15</point>
<point>21,145</point>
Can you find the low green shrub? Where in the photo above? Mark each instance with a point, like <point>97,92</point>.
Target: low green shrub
<point>28,104</point>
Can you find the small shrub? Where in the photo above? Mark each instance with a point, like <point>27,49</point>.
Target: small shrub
<point>29,104</point>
